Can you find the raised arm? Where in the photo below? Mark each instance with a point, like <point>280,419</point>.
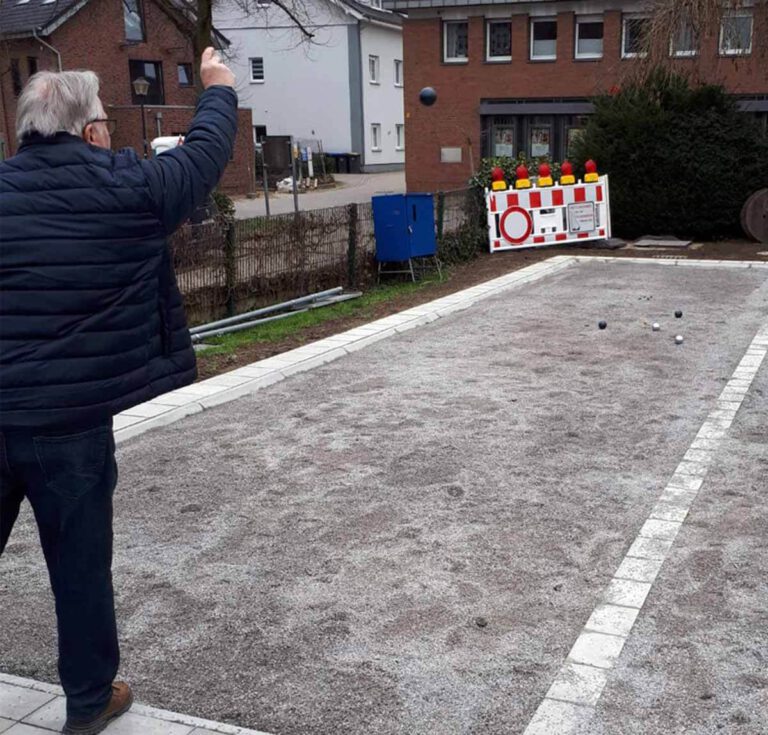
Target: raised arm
<point>181,179</point>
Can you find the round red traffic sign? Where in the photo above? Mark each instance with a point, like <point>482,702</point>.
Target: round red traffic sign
<point>516,225</point>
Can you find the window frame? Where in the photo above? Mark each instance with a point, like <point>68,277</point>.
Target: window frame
<point>687,54</point>
<point>398,64</point>
<point>533,22</point>
<point>374,71</point>
<point>160,81</point>
<point>190,74</point>
<point>497,21</point>
<point>376,137</point>
<point>584,19</point>
<point>626,18</point>
<point>17,84</point>
<point>454,59</point>
<point>399,136</point>
<point>740,13</point>
<point>142,19</point>
<point>251,59</point>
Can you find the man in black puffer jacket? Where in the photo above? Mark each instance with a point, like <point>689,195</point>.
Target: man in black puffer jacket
<point>91,323</point>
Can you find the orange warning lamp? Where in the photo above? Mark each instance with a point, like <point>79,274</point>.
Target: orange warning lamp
<point>522,181</point>
<point>591,172</point>
<point>545,175</point>
<point>498,183</point>
<point>566,174</point>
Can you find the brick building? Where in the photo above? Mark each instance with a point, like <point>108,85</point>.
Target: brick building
<point>120,40</point>
<point>517,77</point>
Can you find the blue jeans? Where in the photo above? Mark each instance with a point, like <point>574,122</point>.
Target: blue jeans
<point>69,478</point>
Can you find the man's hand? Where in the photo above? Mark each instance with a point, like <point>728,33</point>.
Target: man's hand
<point>213,71</point>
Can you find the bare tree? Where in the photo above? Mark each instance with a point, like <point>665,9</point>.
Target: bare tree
<point>704,19</point>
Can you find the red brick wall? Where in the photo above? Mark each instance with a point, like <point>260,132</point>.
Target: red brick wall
<point>454,120</point>
<point>107,53</point>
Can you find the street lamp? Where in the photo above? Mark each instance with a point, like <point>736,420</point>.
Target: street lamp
<point>141,88</point>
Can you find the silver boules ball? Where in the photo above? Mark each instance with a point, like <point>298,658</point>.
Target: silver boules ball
<point>656,326</point>
<point>679,339</point>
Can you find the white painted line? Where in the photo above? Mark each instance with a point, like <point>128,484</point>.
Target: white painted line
<point>601,640</point>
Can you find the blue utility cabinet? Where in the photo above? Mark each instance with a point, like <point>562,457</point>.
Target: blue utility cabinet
<point>405,227</point>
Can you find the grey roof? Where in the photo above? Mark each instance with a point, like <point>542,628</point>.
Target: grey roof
<point>368,11</point>
<point>20,19</point>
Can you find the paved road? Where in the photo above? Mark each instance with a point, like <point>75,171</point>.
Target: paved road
<point>354,188</point>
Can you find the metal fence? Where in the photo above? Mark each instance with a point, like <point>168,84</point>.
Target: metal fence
<point>224,268</point>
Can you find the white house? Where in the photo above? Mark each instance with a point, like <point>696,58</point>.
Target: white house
<point>345,87</point>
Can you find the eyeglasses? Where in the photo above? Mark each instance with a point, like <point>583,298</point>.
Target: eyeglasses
<point>108,121</point>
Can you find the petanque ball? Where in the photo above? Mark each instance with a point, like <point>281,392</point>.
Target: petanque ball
<point>656,327</point>
<point>679,339</point>
<point>602,324</point>
<point>679,314</point>
<point>428,96</point>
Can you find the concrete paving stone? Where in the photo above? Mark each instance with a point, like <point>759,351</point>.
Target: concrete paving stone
<point>686,482</point>
<point>134,724</point>
<point>559,718</point>
<point>21,729</point>
<point>147,410</point>
<point>452,309</point>
<point>711,430</point>
<point>640,570</point>
<point>677,496</point>
<point>612,619</point>
<point>194,391</point>
<point>229,380</point>
<point>369,340</point>
<point>721,413</point>
<point>51,715</point>
<point>417,321</point>
<point>596,649</point>
<point>180,412</point>
<point>699,455</point>
<point>654,528</point>
<point>753,360</point>
<point>650,548</point>
<point>230,394</point>
<point>121,421</point>
<point>697,469</point>
<point>669,512</point>
<point>39,686</point>
<point>252,371</point>
<point>626,592</point>
<point>304,365</point>
<point>5,724</point>
<point>176,398</point>
<point>18,702</point>
<point>578,684</point>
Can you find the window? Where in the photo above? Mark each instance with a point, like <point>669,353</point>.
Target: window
<point>257,69</point>
<point>736,34</point>
<point>544,39</point>
<point>133,18</point>
<point>684,41</point>
<point>589,37</point>
<point>373,69</point>
<point>400,132</point>
<point>504,136</point>
<point>498,41</point>
<point>455,41</point>
<point>32,65</point>
<point>185,75</point>
<point>259,133</point>
<point>376,137</point>
<point>398,73</point>
<point>633,37</point>
<point>152,71</point>
<point>16,77</point>
<point>540,140</point>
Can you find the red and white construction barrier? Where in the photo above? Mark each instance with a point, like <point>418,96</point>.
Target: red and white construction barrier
<point>548,215</point>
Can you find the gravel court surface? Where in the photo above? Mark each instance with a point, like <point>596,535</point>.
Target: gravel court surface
<point>317,557</point>
<point>697,660</point>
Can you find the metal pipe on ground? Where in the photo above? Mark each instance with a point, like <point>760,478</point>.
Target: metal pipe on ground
<point>266,310</point>
<point>199,336</point>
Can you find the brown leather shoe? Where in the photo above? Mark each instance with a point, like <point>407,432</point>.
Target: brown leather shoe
<point>122,699</point>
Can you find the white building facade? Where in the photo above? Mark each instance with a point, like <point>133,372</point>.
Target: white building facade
<point>344,87</point>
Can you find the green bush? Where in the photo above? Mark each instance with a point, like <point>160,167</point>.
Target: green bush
<point>682,160</point>
<point>482,177</point>
<point>224,205</point>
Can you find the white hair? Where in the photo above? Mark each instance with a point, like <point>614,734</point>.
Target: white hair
<point>53,102</point>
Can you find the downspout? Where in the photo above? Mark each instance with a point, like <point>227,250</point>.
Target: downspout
<point>48,46</point>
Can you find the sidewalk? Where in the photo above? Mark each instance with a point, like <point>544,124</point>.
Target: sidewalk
<point>353,188</point>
